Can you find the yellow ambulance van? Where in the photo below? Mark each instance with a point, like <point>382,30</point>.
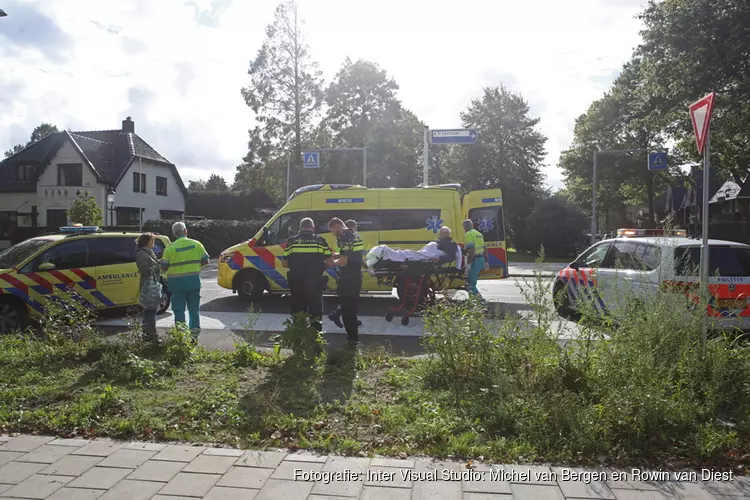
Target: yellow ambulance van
<point>401,218</point>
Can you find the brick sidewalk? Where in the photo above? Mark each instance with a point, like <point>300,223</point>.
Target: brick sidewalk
<point>73,469</point>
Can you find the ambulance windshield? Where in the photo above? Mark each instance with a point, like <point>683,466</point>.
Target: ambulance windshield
<point>16,254</point>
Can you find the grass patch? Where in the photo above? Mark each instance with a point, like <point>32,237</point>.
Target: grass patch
<point>652,394</point>
<point>516,256</point>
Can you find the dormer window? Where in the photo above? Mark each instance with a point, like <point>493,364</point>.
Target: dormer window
<point>24,172</point>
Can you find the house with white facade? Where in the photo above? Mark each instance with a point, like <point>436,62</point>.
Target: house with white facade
<point>129,179</point>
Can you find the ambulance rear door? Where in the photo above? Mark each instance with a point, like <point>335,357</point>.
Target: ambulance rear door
<point>485,208</point>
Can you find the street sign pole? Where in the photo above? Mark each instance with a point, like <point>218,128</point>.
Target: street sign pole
<point>704,242</point>
<point>700,116</point>
<point>593,203</point>
<point>426,160</point>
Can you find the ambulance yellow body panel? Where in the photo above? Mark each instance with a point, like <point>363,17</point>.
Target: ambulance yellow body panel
<point>99,267</point>
<point>401,218</point>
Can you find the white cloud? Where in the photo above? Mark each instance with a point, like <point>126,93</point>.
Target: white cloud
<point>177,66</point>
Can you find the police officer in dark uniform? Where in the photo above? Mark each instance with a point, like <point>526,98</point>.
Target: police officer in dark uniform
<point>307,256</point>
<point>350,278</point>
<point>335,316</point>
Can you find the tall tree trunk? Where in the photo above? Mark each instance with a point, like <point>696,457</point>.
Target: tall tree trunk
<point>298,170</point>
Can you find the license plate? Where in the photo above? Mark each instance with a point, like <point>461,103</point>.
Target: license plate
<point>731,303</point>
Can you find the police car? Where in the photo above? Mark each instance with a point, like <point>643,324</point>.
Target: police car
<point>639,261</point>
<point>100,267</point>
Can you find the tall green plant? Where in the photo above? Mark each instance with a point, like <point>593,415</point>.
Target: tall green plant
<point>84,210</point>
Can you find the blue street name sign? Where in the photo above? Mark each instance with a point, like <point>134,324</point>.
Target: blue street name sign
<point>311,159</point>
<point>657,161</point>
<point>454,136</point>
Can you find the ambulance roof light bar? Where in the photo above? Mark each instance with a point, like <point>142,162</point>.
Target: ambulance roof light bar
<point>635,233</point>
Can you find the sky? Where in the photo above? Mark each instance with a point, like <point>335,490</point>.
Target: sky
<point>177,66</point>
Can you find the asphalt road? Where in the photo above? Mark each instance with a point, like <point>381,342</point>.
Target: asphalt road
<point>224,313</point>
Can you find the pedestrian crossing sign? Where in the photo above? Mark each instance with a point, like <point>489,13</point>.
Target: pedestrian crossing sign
<point>657,161</point>
<point>311,159</point>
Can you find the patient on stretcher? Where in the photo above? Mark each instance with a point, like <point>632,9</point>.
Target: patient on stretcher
<point>442,251</point>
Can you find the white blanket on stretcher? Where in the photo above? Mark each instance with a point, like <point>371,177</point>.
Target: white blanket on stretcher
<point>428,252</point>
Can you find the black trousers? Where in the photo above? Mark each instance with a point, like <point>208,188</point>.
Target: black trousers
<point>307,296</point>
<point>348,292</point>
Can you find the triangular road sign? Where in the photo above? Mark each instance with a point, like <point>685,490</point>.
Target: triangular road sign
<point>700,115</point>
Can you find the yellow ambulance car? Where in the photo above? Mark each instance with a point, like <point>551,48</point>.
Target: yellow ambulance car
<point>402,218</point>
<point>100,267</point>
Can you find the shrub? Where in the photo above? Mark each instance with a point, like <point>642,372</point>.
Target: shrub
<point>84,210</point>
<point>67,319</point>
<point>179,346</point>
<point>301,337</point>
<point>652,387</point>
<point>245,355</point>
<point>557,226</point>
<point>216,235</point>
<point>228,205</point>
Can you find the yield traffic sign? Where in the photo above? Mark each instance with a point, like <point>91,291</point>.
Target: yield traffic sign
<point>454,136</point>
<point>700,115</point>
<point>657,161</point>
<point>311,159</point>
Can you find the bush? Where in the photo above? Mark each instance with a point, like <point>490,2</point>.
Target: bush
<point>227,205</point>
<point>557,226</point>
<point>84,210</point>
<point>653,388</point>
<point>216,235</point>
<point>301,337</point>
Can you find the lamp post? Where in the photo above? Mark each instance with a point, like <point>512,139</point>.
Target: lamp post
<point>111,206</point>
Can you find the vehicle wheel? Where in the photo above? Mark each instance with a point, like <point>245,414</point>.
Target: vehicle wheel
<point>166,298</point>
<point>405,320</point>
<point>389,317</point>
<point>561,299</point>
<point>13,314</point>
<point>250,285</point>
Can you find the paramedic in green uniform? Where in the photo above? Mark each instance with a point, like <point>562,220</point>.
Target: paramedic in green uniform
<point>476,257</point>
<point>182,260</point>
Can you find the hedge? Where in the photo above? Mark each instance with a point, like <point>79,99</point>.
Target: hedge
<point>216,235</point>
<point>228,205</point>
<point>557,226</point>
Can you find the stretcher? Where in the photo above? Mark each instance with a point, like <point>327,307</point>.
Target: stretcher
<point>417,283</point>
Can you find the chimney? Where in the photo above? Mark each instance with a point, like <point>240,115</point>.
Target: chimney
<point>128,127</point>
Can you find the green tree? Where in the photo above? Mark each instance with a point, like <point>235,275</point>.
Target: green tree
<point>693,47</point>
<point>508,155</point>
<point>216,183</point>
<point>197,185</point>
<point>39,133</point>
<point>285,93</point>
<point>363,110</point>
<point>84,210</point>
<point>42,131</point>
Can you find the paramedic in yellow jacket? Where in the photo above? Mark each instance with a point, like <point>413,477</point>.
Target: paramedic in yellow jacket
<point>476,257</point>
<point>182,261</point>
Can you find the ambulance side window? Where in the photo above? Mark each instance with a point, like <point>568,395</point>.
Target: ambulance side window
<point>286,226</point>
<point>111,251</point>
<point>66,255</point>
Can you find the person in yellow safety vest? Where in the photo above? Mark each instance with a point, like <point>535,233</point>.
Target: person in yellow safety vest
<point>182,260</point>
<point>476,257</point>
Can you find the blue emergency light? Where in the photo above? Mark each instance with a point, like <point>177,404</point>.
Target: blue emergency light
<point>80,229</point>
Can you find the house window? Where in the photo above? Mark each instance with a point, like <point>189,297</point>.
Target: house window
<point>170,215</point>
<point>24,172</point>
<point>128,216</point>
<point>70,174</point>
<point>139,182</point>
<point>161,186</point>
